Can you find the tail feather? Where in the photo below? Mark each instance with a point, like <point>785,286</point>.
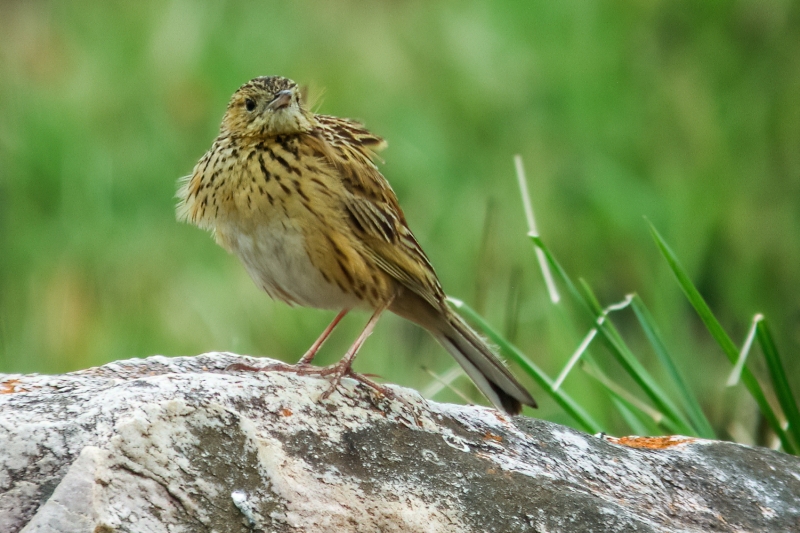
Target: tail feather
<point>468,348</point>
<point>482,366</point>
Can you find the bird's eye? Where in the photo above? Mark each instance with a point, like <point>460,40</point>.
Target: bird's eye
<point>249,104</point>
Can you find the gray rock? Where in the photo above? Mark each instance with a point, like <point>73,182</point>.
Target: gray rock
<point>180,445</point>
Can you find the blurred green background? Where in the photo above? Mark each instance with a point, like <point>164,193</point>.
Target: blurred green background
<point>687,113</point>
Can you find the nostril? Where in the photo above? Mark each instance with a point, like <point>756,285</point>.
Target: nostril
<point>281,100</point>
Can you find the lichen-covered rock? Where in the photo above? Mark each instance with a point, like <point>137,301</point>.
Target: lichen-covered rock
<point>180,445</point>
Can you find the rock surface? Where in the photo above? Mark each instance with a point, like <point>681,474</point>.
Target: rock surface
<point>180,445</point>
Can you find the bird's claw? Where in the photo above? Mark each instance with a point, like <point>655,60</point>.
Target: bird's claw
<point>335,373</point>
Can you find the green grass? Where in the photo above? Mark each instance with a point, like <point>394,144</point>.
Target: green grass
<point>647,409</point>
<point>683,112</point>
<point>777,373</point>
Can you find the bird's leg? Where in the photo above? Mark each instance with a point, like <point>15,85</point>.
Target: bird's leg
<point>336,371</point>
<point>302,366</point>
<point>343,367</point>
<point>309,355</point>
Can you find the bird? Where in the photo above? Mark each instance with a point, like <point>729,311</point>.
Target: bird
<point>298,197</point>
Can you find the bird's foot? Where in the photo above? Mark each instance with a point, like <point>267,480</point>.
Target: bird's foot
<point>341,370</point>
<point>335,373</point>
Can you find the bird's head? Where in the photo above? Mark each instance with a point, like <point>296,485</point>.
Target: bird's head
<point>266,106</point>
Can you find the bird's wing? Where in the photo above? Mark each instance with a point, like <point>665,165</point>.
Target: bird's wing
<point>372,207</point>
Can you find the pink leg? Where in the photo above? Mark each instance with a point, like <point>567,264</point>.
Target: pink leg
<point>303,366</point>
<point>309,355</point>
<point>336,371</point>
<point>343,367</point>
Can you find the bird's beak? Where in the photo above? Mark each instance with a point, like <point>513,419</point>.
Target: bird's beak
<point>281,100</point>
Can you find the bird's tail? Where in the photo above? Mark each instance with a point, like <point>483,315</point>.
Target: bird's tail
<point>482,365</point>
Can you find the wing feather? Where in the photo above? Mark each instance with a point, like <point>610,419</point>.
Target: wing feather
<point>376,216</point>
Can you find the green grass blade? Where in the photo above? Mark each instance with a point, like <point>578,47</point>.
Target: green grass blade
<point>659,423</point>
<point>617,345</point>
<point>688,399</point>
<point>727,345</point>
<point>779,382</point>
<point>625,357</point>
<point>527,205</point>
<point>560,272</point>
<point>566,402</point>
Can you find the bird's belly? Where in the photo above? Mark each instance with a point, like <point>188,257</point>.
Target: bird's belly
<point>275,256</point>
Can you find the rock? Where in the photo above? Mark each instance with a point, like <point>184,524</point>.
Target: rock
<point>181,445</point>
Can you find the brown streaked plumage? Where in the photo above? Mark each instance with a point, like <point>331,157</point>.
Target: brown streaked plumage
<point>298,198</point>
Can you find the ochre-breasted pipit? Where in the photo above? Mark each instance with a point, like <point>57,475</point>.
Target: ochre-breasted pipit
<point>297,197</point>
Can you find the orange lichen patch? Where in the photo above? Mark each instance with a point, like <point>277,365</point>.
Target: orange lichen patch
<point>651,443</point>
<point>499,415</point>
<point>9,387</point>
<point>491,436</point>
<point>286,412</point>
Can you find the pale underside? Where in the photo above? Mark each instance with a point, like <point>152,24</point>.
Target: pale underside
<point>274,254</point>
